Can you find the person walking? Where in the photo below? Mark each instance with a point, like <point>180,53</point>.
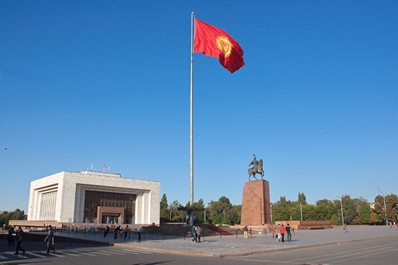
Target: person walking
<point>289,233</point>
<point>282,231</point>
<point>198,231</point>
<point>140,231</point>
<point>19,237</point>
<point>126,231</point>
<point>117,229</point>
<point>11,236</point>
<point>273,232</point>
<point>50,239</point>
<point>193,231</point>
<point>278,234</point>
<point>106,231</point>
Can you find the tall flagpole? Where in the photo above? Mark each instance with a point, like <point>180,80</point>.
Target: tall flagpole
<point>191,221</point>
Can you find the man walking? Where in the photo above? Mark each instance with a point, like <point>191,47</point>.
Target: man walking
<point>198,231</point>
<point>106,231</point>
<point>19,235</point>
<point>50,239</point>
<point>193,231</point>
<point>282,231</point>
<point>11,235</point>
<point>289,233</point>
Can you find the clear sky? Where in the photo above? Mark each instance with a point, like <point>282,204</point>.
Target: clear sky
<point>107,82</point>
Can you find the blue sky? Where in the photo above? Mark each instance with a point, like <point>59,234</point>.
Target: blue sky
<point>107,82</point>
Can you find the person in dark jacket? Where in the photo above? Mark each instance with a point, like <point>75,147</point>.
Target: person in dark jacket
<point>50,239</point>
<point>194,235</point>
<point>19,237</point>
<point>289,233</point>
<point>106,231</point>
<point>117,229</point>
<point>11,236</point>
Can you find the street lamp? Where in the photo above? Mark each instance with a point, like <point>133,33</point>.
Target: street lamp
<point>301,211</point>
<point>342,213</point>
<point>341,207</point>
<point>271,211</point>
<point>385,206</point>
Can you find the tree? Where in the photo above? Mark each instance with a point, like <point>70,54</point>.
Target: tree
<point>301,198</point>
<point>281,210</point>
<point>164,209</point>
<point>309,212</point>
<point>355,211</point>
<point>14,215</point>
<point>379,209</point>
<point>222,212</point>
<point>392,207</point>
<point>176,214</point>
<point>364,211</point>
<point>325,210</point>
<point>17,215</point>
<point>349,209</point>
<point>236,214</point>
<point>373,219</point>
<point>199,209</point>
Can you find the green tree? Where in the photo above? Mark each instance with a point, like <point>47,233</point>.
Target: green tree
<point>379,209</point>
<point>373,219</point>
<point>222,212</point>
<point>364,211</point>
<point>281,210</point>
<point>295,211</point>
<point>164,209</point>
<point>349,209</point>
<point>334,220</point>
<point>17,215</point>
<point>14,215</point>
<point>177,215</point>
<point>199,211</point>
<point>302,198</point>
<point>392,207</point>
<point>309,212</point>
<point>325,210</point>
<point>236,212</point>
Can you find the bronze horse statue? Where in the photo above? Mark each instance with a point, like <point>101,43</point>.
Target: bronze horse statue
<point>256,169</point>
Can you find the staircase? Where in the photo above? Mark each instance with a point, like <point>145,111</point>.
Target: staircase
<point>220,230</point>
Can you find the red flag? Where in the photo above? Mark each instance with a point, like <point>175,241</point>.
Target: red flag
<point>215,42</point>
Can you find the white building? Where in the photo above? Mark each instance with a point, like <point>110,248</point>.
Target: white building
<point>78,197</point>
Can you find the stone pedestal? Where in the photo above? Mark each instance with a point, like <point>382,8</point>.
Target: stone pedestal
<point>256,203</point>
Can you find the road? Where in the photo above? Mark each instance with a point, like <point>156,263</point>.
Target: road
<point>368,252</point>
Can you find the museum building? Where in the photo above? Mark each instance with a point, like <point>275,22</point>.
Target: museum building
<point>89,196</point>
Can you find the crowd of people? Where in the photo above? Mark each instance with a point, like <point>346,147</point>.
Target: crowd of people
<point>279,232</point>
<point>15,236</point>
<point>122,233</point>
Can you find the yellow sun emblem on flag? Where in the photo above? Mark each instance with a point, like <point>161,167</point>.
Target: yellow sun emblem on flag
<point>224,45</point>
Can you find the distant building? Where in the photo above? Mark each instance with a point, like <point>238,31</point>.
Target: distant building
<point>79,197</point>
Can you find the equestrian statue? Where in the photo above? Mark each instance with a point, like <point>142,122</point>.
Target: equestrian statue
<point>257,168</point>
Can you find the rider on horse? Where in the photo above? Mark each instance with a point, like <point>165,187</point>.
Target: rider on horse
<point>257,168</point>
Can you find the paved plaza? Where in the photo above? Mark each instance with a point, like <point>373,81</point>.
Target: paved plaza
<point>238,245</point>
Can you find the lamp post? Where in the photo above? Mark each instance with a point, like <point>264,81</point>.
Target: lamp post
<point>342,212</point>
<point>301,211</point>
<point>385,210</point>
<point>385,206</point>
<point>271,212</point>
<point>341,207</point>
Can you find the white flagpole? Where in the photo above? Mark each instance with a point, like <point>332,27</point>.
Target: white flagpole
<point>191,125</point>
